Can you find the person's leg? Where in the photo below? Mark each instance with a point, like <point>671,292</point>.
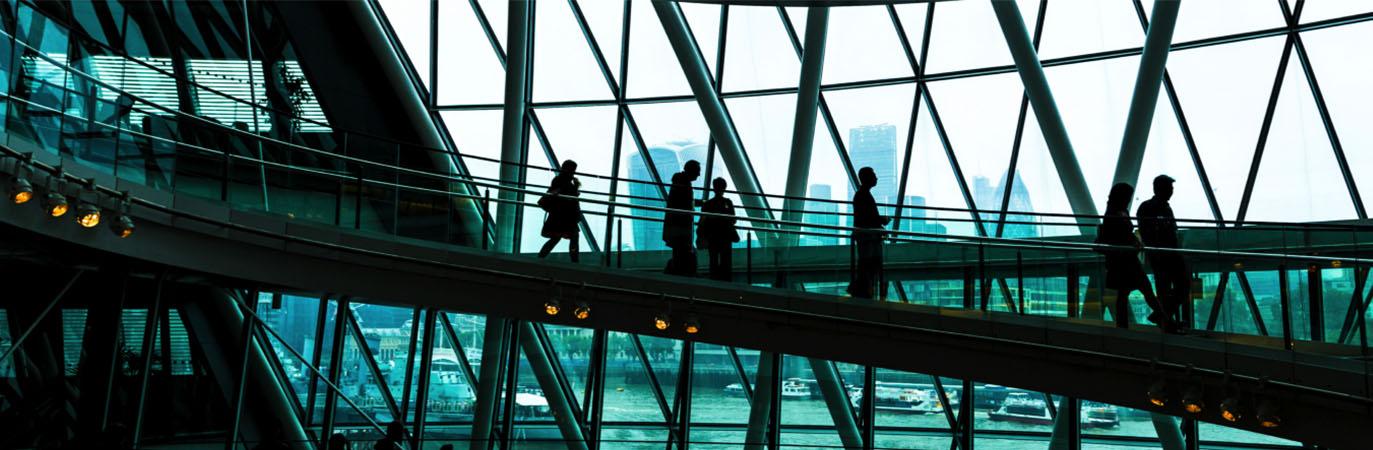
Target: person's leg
<point>726,261</point>
<point>1122,314</point>
<point>867,273</point>
<point>572,240</point>
<point>548,246</point>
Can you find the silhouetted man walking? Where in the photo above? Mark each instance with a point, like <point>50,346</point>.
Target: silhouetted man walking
<point>1158,228</point>
<point>868,236</point>
<point>677,225</point>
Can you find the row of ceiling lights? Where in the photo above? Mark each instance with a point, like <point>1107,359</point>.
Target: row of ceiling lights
<point>56,204</point>
<point>661,321</point>
<point>1233,409</point>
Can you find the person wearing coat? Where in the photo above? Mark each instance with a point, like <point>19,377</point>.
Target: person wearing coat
<point>718,233</point>
<point>564,211</point>
<point>677,225</point>
<point>1124,272</point>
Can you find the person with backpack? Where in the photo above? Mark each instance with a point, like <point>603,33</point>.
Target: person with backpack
<point>564,211</point>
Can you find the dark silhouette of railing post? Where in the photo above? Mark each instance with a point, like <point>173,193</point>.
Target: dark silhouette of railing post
<point>486,218</point>
<point>748,259</point>
<point>1285,302</point>
<point>1020,283</point>
<point>1074,290</point>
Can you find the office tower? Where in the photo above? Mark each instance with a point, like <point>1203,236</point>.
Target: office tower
<point>648,232</point>
<point>821,213</point>
<point>988,200</point>
<point>875,146</point>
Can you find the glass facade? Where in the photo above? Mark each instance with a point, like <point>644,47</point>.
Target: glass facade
<point>925,94</point>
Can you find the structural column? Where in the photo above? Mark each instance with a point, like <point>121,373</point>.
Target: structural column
<point>1046,111</point>
<point>512,169</point>
<point>761,409</point>
<point>807,102</point>
<point>558,401</point>
<point>488,386</point>
<point>1151,68</point>
<point>712,107</point>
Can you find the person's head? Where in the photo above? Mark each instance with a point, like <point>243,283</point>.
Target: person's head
<point>338,442</point>
<point>1119,200</point>
<point>692,169</point>
<point>1163,187</point>
<point>719,185</point>
<point>867,177</point>
<point>569,167</point>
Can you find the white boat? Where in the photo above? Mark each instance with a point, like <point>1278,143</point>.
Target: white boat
<point>795,390</point>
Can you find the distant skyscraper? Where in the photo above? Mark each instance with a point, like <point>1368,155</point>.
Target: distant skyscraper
<point>821,213</point>
<point>875,146</point>
<point>668,159</point>
<point>988,200</point>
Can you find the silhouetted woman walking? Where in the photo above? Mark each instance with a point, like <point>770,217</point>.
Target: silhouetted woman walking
<point>564,211</point>
<point>1124,273</point>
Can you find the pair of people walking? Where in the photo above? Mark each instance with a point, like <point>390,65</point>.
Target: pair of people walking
<point>716,231</point>
<point>1125,274</point>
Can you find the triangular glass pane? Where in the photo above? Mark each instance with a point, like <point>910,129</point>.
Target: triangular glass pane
<point>758,55</point>
<point>803,405</point>
<point>1094,101</point>
<point>451,394</point>
<point>1167,154</point>
<point>862,45</point>
<point>828,180</point>
<point>295,322</point>
<point>606,20</point>
<point>1341,66</point>
<point>629,396</point>
<point>1298,178</point>
<point>470,72</point>
<point>564,66</point>
<point>912,17</point>
<point>1235,316</point>
<point>1077,27</point>
<point>1224,92</point>
<point>704,21</point>
<point>531,237</point>
<point>477,135</point>
<point>497,13</point>
<point>966,36</point>
<point>587,136</point>
<point>410,20</point>
<point>573,348</point>
<point>764,125</point>
<point>359,385</point>
<point>1197,20</point>
<point>979,114</point>
<point>930,182</point>
<point>386,330</point>
<point>1038,188</point>
<point>797,16</point>
<point>1314,11</point>
<point>653,67</point>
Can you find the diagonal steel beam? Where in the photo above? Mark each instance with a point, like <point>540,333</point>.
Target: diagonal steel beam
<point>513,155</point>
<point>1324,111</point>
<point>1046,111</point>
<point>713,109</point>
<point>803,129</point>
<point>1157,39</point>
<point>1267,125</point>
<point>1186,129</point>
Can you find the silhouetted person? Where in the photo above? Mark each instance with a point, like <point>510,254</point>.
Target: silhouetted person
<point>564,211</point>
<point>446,447</point>
<point>1124,273</point>
<point>868,236</point>
<point>677,224</point>
<point>395,437</point>
<point>718,233</point>
<point>1158,228</point>
<point>339,442</point>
